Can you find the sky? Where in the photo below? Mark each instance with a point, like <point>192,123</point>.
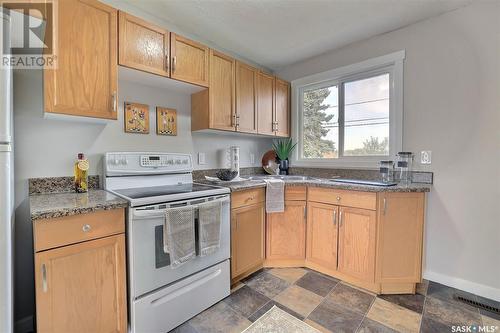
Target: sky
<point>366,111</point>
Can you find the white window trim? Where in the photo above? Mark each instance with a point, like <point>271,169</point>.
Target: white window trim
<point>390,63</point>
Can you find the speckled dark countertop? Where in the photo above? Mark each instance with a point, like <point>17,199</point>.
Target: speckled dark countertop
<point>53,205</point>
<point>322,182</point>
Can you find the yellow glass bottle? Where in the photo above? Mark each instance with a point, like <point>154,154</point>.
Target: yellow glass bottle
<point>81,174</point>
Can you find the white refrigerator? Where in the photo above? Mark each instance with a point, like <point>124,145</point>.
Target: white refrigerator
<point>6,188</point>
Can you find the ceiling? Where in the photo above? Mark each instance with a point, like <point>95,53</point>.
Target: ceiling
<point>277,33</point>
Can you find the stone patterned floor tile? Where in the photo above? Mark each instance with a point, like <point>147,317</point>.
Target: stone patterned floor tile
<point>442,292</point>
<point>246,301</point>
<point>422,287</point>
<point>237,286</point>
<point>412,302</point>
<point>352,298</point>
<point>450,313</point>
<point>299,300</point>
<point>371,326</point>
<point>316,283</point>
<point>256,315</point>
<point>488,321</point>
<point>432,326</point>
<point>184,328</point>
<point>267,284</point>
<point>317,326</point>
<point>290,275</point>
<point>252,276</point>
<point>220,318</point>
<point>394,316</point>
<point>336,318</point>
<point>358,288</point>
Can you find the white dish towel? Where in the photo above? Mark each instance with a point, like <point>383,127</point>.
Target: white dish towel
<point>209,227</point>
<point>275,196</point>
<point>179,239</point>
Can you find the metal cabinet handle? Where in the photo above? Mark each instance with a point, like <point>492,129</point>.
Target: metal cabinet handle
<point>305,212</point>
<point>86,227</point>
<point>385,206</point>
<point>166,61</point>
<point>114,103</point>
<point>174,63</point>
<point>44,278</point>
<point>335,217</point>
<point>249,199</point>
<point>340,219</point>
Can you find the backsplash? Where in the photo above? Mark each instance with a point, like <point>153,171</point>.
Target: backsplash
<point>58,184</point>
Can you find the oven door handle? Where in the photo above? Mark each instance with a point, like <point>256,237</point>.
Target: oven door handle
<point>161,212</point>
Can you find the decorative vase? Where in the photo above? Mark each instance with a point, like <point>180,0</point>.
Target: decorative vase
<point>284,165</point>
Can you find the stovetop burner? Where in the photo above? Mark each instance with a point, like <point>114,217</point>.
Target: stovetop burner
<point>155,191</point>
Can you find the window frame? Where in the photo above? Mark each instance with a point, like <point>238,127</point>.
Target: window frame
<point>391,64</point>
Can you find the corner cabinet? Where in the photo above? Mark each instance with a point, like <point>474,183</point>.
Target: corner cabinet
<point>85,80</point>
<point>282,108</point>
<point>247,233</point>
<point>80,273</point>
<point>143,46</point>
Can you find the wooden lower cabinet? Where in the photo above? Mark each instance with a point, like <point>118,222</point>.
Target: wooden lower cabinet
<point>322,234</point>
<point>356,254</point>
<point>286,233</point>
<point>82,287</point>
<point>247,240</point>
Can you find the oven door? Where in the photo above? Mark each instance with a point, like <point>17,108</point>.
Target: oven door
<point>149,266</point>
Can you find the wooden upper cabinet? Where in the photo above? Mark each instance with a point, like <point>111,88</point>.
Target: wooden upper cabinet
<point>265,104</point>
<point>246,107</point>
<point>82,287</point>
<point>221,91</point>
<point>189,60</point>
<point>143,46</point>
<point>282,108</point>
<point>247,239</point>
<point>322,232</point>
<point>357,243</point>
<point>286,233</point>
<point>400,237</point>
<point>85,81</point>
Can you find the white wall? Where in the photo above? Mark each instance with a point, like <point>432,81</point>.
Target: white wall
<point>46,147</point>
<point>452,107</point>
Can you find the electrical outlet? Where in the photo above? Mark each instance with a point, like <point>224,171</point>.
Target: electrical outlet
<point>202,158</point>
<point>252,158</point>
<point>426,157</point>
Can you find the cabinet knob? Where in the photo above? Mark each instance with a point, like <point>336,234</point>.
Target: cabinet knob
<point>338,198</point>
<point>86,227</point>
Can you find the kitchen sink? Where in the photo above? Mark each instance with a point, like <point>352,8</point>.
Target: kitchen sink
<point>283,177</point>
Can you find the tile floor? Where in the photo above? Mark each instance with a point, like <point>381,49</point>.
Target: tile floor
<point>333,306</point>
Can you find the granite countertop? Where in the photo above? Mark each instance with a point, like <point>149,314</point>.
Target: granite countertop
<point>53,205</point>
<point>326,183</point>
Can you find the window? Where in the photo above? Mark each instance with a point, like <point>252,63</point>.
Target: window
<point>350,116</point>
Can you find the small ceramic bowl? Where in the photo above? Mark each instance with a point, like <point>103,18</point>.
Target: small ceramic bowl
<point>226,174</point>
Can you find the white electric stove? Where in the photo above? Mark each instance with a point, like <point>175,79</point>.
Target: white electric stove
<point>162,297</point>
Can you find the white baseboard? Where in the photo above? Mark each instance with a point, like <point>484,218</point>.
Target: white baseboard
<point>469,286</point>
<point>24,325</point>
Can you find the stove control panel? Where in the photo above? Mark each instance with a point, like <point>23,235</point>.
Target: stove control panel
<point>121,163</point>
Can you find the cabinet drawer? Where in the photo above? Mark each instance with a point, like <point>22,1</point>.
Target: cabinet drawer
<point>295,193</point>
<point>357,199</point>
<point>247,197</point>
<point>51,233</point>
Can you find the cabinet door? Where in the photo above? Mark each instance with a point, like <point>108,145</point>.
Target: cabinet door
<point>265,104</point>
<point>85,81</point>
<point>246,107</point>
<point>282,108</point>
<point>189,60</point>
<point>400,237</point>
<point>143,46</point>
<point>286,232</point>
<point>82,287</point>
<point>357,243</point>
<point>222,76</point>
<point>247,238</point>
<point>322,232</point>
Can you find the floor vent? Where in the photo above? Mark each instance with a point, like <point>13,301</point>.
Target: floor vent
<point>478,304</point>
